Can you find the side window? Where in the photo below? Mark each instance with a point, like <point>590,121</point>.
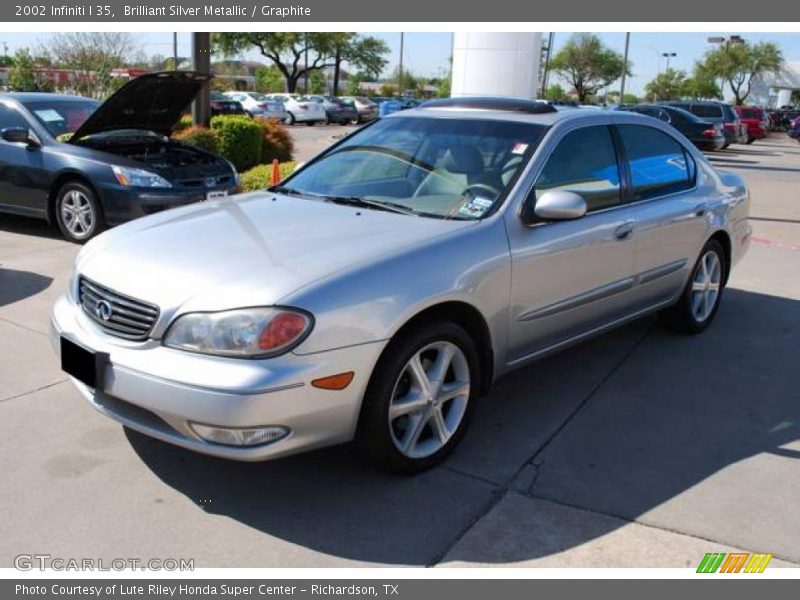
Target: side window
<point>659,165</point>
<point>9,117</point>
<point>584,162</point>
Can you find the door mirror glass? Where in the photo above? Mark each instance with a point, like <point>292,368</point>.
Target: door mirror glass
<point>560,205</point>
<point>17,135</point>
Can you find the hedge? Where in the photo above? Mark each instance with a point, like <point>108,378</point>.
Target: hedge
<point>198,137</point>
<point>239,139</point>
<point>185,122</point>
<point>258,177</point>
<point>277,141</point>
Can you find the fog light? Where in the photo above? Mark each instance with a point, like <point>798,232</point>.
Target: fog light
<point>240,436</point>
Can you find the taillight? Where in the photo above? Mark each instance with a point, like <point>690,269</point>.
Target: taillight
<point>730,125</point>
<point>303,106</point>
<point>709,133</point>
<point>263,105</point>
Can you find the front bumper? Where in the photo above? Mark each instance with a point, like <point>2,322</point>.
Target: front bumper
<point>121,203</point>
<point>158,391</point>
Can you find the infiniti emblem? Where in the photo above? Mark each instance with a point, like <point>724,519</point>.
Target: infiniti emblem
<point>103,310</point>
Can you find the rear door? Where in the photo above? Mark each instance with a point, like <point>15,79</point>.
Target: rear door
<point>670,213</point>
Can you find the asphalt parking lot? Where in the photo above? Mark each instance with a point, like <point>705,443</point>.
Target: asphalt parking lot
<point>640,448</point>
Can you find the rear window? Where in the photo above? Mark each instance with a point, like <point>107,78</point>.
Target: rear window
<point>707,110</point>
<point>750,113</point>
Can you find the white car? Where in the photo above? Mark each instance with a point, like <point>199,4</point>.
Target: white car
<point>260,105</point>
<point>301,111</point>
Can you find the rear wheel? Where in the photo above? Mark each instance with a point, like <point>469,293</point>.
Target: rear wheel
<point>420,398</point>
<point>289,120</point>
<point>77,212</point>
<point>700,300</point>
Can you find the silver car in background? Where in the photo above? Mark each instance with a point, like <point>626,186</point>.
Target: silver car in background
<point>379,291</point>
<point>257,104</point>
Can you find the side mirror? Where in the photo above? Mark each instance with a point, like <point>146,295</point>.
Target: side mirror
<point>19,135</point>
<point>560,205</point>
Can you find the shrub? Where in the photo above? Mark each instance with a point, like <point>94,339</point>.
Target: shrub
<point>198,137</point>
<point>239,140</point>
<point>277,142</point>
<point>258,177</point>
<point>185,122</point>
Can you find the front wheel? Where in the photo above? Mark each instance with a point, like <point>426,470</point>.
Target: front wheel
<point>289,120</point>
<point>700,300</point>
<point>420,398</point>
<point>77,212</point>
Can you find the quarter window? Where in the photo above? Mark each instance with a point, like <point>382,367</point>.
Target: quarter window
<point>659,164</point>
<point>584,162</point>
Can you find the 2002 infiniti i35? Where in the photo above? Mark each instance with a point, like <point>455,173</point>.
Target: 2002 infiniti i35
<point>378,292</point>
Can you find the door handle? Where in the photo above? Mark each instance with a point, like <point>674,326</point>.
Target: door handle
<point>700,210</point>
<point>624,231</point>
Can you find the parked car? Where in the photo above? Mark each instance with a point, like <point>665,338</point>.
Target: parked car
<point>716,112</point>
<point>794,128</point>
<point>337,110</point>
<point>118,162</point>
<point>300,110</point>
<point>377,292</point>
<point>259,105</point>
<point>367,109</point>
<point>754,120</point>
<point>705,135</point>
<point>222,105</point>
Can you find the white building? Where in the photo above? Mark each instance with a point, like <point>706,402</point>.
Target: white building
<point>776,90</point>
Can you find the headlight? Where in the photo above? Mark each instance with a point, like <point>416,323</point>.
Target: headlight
<point>139,178</point>
<point>246,332</point>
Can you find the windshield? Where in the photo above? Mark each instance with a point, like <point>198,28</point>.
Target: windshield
<point>61,116</point>
<point>447,168</point>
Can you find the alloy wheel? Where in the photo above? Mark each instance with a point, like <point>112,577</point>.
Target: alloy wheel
<point>429,399</point>
<point>706,286</point>
<point>77,214</point>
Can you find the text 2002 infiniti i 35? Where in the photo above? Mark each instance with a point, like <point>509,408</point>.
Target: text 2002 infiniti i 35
<point>380,290</point>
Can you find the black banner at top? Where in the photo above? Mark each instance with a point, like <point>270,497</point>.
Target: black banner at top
<point>444,11</point>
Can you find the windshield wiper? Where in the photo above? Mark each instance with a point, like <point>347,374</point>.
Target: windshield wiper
<point>282,189</point>
<point>362,202</point>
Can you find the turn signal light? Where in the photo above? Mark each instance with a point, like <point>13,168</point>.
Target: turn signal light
<point>334,382</point>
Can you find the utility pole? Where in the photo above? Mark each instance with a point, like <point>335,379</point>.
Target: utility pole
<point>624,69</point>
<point>400,67</point>
<point>305,68</point>
<point>546,74</point>
<point>175,51</point>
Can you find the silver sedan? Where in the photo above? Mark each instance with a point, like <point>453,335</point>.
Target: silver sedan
<point>379,291</point>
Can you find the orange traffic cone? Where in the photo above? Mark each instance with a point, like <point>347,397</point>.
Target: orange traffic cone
<point>276,172</point>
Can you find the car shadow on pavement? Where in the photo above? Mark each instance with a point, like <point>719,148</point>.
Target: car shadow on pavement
<point>674,412</point>
<point>18,285</point>
<point>28,226</point>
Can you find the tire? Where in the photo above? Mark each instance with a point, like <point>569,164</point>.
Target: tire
<point>311,123</point>
<point>289,120</point>
<point>422,436</point>
<point>750,140</point>
<point>78,213</point>
<point>696,308</point>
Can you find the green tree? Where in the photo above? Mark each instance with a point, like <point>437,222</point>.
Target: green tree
<point>555,92</point>
<point>588,65</point>
<point>668,85</point>
<point>739,64</point>
<point>702,84</point>
<point>290,51</point>
<point>630,99</point>
<point>366,53</point>
<point>445,87</point>
<point>269,80</point>
<point>22,77</point>
<point>354,84</point>
<point>317,84</point>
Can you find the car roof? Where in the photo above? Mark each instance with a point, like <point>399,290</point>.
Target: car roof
<point>559,115</point>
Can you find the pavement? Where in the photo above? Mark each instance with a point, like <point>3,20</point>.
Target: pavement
<point>640,448</point>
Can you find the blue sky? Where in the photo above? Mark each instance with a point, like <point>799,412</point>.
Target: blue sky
<point>428,53</point>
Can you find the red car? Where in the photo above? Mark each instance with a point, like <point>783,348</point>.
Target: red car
<point>754,119</point>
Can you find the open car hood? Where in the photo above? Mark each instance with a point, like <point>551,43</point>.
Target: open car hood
<point>154,102</point>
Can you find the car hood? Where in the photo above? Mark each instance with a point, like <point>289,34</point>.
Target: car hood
<point>249,251</point>
<point>154,101</point>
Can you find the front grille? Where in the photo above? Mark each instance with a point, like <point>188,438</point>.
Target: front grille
<point>208,182</point>
<point>117,314</point>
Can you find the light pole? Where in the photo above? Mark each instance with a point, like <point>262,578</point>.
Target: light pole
<point>668,55</point>
<point>624,69</point>
<point>725,43</point>
<point>400,66</point>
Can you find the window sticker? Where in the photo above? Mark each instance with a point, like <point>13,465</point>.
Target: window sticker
<point>475,207</point>
<point>49,115</point>
<point>519,148</point>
